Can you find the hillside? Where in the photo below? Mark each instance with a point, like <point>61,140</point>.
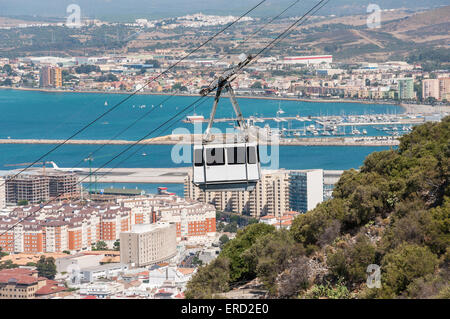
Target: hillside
<point>394,212</point>
<point>400,34</point>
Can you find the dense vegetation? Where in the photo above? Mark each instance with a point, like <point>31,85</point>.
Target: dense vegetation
<point>394,212</point>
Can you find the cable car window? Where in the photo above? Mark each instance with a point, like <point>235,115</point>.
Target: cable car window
<point>198,158</point>
<point>236,155</point>
<point>215,156</point>
<point>251,155</point>
<point>257,152</point>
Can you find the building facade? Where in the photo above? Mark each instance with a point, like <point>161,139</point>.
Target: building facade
<point>430,88</point>
<point>406,89</point>
<point>271,196</point>
<point>50,77</point>
<point>305,190</point>
<point>36,186</point>
<point>148,244</point>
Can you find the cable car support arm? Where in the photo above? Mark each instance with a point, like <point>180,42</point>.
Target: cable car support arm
<point>218,85</point>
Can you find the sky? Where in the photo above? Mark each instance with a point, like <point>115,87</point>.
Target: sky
<point>121,10</point>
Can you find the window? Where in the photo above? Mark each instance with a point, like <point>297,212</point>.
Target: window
<point>236,155</point>
<point>215,156</point>
<point>198,158</point>
<point>252,155</point>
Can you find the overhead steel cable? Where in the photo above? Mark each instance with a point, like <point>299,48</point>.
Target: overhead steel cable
<point>284,34</point>
<point>124,100</point>
<point>173,117</point>
<point>104,165</point>
<point>136,91</point>
<point>172,95</point>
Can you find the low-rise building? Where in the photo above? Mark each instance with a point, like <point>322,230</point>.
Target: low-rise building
<point>107,271</point>
<point>22,283</point>
<point>79,260</point>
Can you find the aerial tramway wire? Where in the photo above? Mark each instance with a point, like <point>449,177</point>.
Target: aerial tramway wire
<point>136,91</point>
<point>186,109</point>
<point>283,35</point>
<point>314,10</point>
<point>172,95</point>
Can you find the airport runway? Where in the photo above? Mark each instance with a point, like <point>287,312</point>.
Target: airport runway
<point>138,175</point>
<point>163,175</point>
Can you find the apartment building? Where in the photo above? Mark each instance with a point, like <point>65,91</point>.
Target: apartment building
<point>195,221</point>
<point>148,244</point>
<point>305,189</point>
<point>430,88</point>
<point>36,185</point>
<point>75,227</point>
<point>271,195</point>
<point>56,228</point>
<point>50,77</point>
<point>406,89</point>
<point>436,88</point>
<point>444,89</point>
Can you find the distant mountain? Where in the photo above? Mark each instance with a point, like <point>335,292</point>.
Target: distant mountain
<point>120,10</point>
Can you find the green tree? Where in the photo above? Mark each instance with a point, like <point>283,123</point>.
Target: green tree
<point>350,263</point>
<point>8,264</point>
<point>46,267</point>
<point>256,85</point>
<point>405,264</point>
<point>224,239</point>
<point>242,268</point>
<point>2,254</point>
<point>22,202</point>
<point>101,245</point>
<point>209,280</point>
<point>117,245</point>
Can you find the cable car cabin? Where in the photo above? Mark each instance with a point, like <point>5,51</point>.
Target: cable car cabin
<point>222,167</point>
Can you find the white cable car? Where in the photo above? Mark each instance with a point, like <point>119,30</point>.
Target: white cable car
<point>226,166</point>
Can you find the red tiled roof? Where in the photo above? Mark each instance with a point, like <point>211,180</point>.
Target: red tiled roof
<point>49,289</point>
<point>20,279</point>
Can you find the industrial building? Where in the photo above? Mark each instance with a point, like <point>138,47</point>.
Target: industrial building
<point>308,60</point>
<point>148,244</point>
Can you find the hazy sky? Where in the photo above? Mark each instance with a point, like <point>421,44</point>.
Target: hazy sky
<point>130,9</point>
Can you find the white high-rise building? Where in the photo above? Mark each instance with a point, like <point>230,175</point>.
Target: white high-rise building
<point>305,189</point>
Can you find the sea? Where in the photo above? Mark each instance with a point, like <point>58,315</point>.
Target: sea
<point>49,115</point>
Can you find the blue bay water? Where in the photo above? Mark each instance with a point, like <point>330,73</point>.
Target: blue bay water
<point>43,115</point>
